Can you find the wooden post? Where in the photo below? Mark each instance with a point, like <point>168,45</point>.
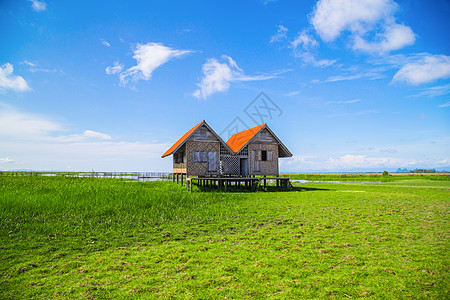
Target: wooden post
<point>264,181</point>
<point>190,185</point>
<point>226,183</point>
<point>177,178</point>
<point>181,179</point>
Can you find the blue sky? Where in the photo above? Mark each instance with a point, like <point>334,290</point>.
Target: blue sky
<point>110,85</point>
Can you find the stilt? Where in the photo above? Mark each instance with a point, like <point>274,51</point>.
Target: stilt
<point>181,179</point>
<point>177,178</point>
<point>264,181</point>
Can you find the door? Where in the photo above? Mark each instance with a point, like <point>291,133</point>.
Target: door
<point>244,167</point>
<point>212,161</point>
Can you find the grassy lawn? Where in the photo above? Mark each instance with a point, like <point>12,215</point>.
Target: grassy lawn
<point>106,238</point>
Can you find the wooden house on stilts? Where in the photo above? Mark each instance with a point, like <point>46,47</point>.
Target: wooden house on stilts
<point>201,153</point>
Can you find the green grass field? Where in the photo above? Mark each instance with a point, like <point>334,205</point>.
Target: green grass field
<point>108,238</point>
<point>367,176</point>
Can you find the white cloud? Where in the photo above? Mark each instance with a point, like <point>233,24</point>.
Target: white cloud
<point>434,91</point>
<point>38,5</point>
<point>394,37</point>
<point>9,81</point>
<point>344,102</point>
<point>32,140</point>
<point>25,125</point>
<point>444,162</point>
<point>343,77</point>
<point>306,41</point>
<point>34,67</point>
<point>294,93</point>
<point>86,135</point>
<point>427,69</point>
<point>219,75</point>
<point>347,162</point>
<point>304,45</point>
<point>360,18</point>
<point>331,17</point>
<point>446,104</point>
<point>105,43</point>
<point>280,35</point>
<point>29,63</point>
<point>116,68</point>
<point>6,160</point>
<point>149,57</point>
<point>350,161</point>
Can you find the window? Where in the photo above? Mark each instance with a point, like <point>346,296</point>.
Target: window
<point>178,157</point>
<point>263,155</point>
<point>196,157</point>
<point>206,157</point>
<point>200,156</point>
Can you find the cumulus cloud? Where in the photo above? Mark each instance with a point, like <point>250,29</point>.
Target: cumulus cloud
<point>280,35</point>
<point>8,81</point>
<point>393,37</point>
<point>427,69</point>
<point>219,75</point>
<point>116,68</point>
<point>149,57</point>
<point>38,5</point>
<point>331,18</point>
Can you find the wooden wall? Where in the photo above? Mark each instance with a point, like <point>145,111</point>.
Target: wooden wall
<point>201,168</point>
<point>268,168</point>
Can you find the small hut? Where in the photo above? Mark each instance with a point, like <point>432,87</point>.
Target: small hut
<point>201,152</point>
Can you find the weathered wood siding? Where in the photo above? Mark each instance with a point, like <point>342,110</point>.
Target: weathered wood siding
<point>203,134</point>
<point>179,167</point>
<point>258,167</point>
<point>264,137</point>
<point>211,166</point>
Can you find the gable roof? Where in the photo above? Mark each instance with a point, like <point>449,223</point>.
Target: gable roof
<point>239,140</point>
<point>182,140</point>
<point>188,134</point>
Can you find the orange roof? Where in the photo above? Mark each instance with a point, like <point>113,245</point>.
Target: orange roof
<point>182,139</point>
<point>240,139</point>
